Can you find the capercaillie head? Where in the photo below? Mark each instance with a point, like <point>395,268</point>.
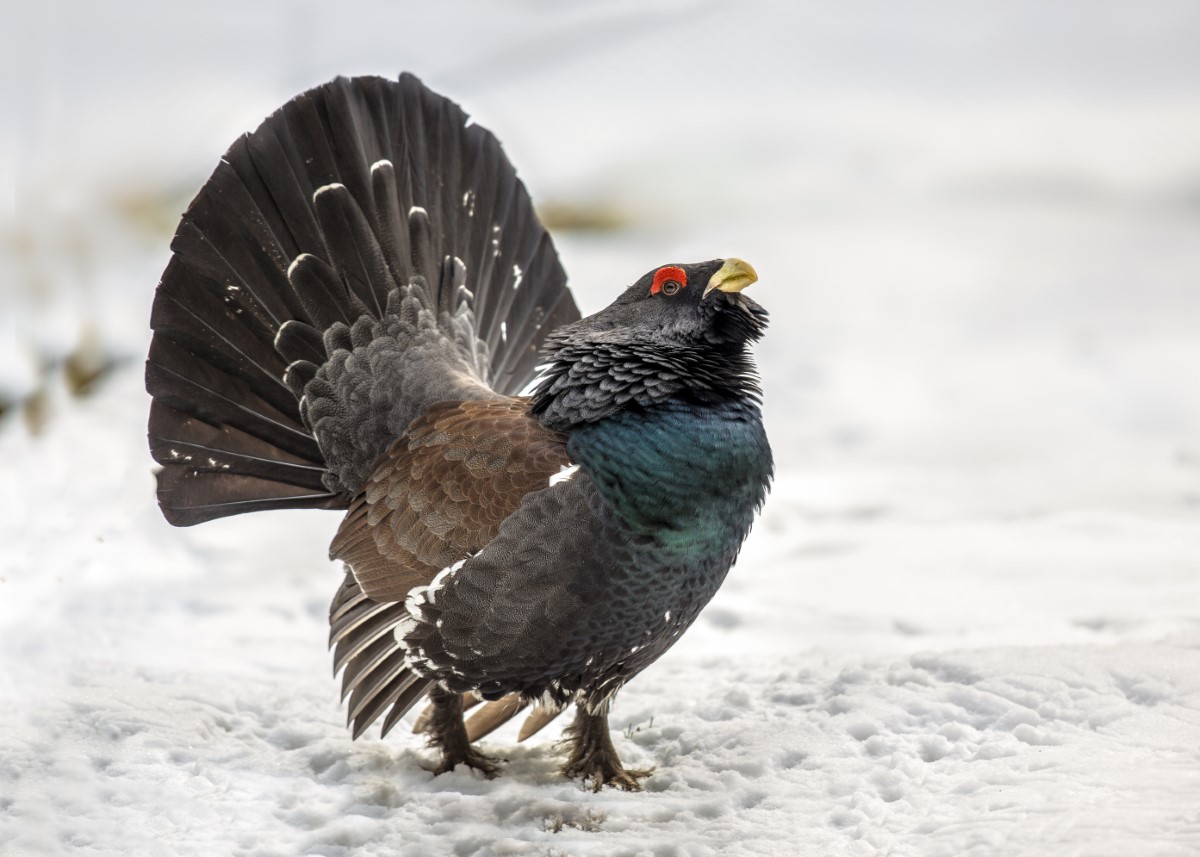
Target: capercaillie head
<point>680,332</point>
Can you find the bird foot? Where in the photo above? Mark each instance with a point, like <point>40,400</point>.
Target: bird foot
<point>593,758</point>
<point>448,733</point>
<point>489,766</point>
<point>598,772</point>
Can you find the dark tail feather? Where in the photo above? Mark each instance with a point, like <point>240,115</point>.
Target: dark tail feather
<point>375,676</point>
<point>218,469</point>
<point>309,224</point>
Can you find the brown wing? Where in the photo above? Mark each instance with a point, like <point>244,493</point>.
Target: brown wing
<point>439,494</point>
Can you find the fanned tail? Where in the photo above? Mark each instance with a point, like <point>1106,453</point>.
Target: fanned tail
<point>364,253</point>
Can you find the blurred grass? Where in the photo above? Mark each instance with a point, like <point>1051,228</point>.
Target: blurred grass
<point>50,267</point>
<point>81,373</point>
<point>563,215</point>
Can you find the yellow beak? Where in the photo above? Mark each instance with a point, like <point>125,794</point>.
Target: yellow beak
<point>734,276</point>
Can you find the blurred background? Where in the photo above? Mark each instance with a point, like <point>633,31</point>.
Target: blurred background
<point>977,228</point>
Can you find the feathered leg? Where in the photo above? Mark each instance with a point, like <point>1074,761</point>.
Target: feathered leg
<point>448,733</point>
<point>592,755</point>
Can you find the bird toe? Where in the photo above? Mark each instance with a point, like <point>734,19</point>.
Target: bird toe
<point>487,765</point>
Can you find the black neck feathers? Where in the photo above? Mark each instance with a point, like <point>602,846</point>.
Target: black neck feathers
<point>586,382</point>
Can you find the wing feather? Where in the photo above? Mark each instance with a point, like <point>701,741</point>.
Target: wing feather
<point>441,492</point>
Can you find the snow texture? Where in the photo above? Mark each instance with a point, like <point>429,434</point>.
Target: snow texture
<point>968,622</point>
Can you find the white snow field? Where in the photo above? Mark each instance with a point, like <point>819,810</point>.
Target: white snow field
<point>968,622</point>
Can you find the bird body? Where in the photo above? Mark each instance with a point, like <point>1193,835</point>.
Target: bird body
<point>355,300</point>
<point>595,577</point>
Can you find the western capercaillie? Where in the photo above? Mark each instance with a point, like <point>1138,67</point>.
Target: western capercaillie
<point>356,299</point>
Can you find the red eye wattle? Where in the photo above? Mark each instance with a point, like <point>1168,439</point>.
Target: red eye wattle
<point>669,280</point>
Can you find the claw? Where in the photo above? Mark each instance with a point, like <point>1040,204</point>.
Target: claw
<point>598,773</point>
<point>593,758</point>
<point>489,766</point>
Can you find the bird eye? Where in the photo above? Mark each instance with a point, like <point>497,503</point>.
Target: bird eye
<point>668,280</point>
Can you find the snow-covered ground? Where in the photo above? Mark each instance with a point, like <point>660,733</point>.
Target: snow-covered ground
<point>968,622</point>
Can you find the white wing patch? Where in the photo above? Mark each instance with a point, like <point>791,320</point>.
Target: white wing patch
<point>426,594</point>
<point>565,474</point>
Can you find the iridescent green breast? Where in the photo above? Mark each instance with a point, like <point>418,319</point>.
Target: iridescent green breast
<point>688,479</point>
